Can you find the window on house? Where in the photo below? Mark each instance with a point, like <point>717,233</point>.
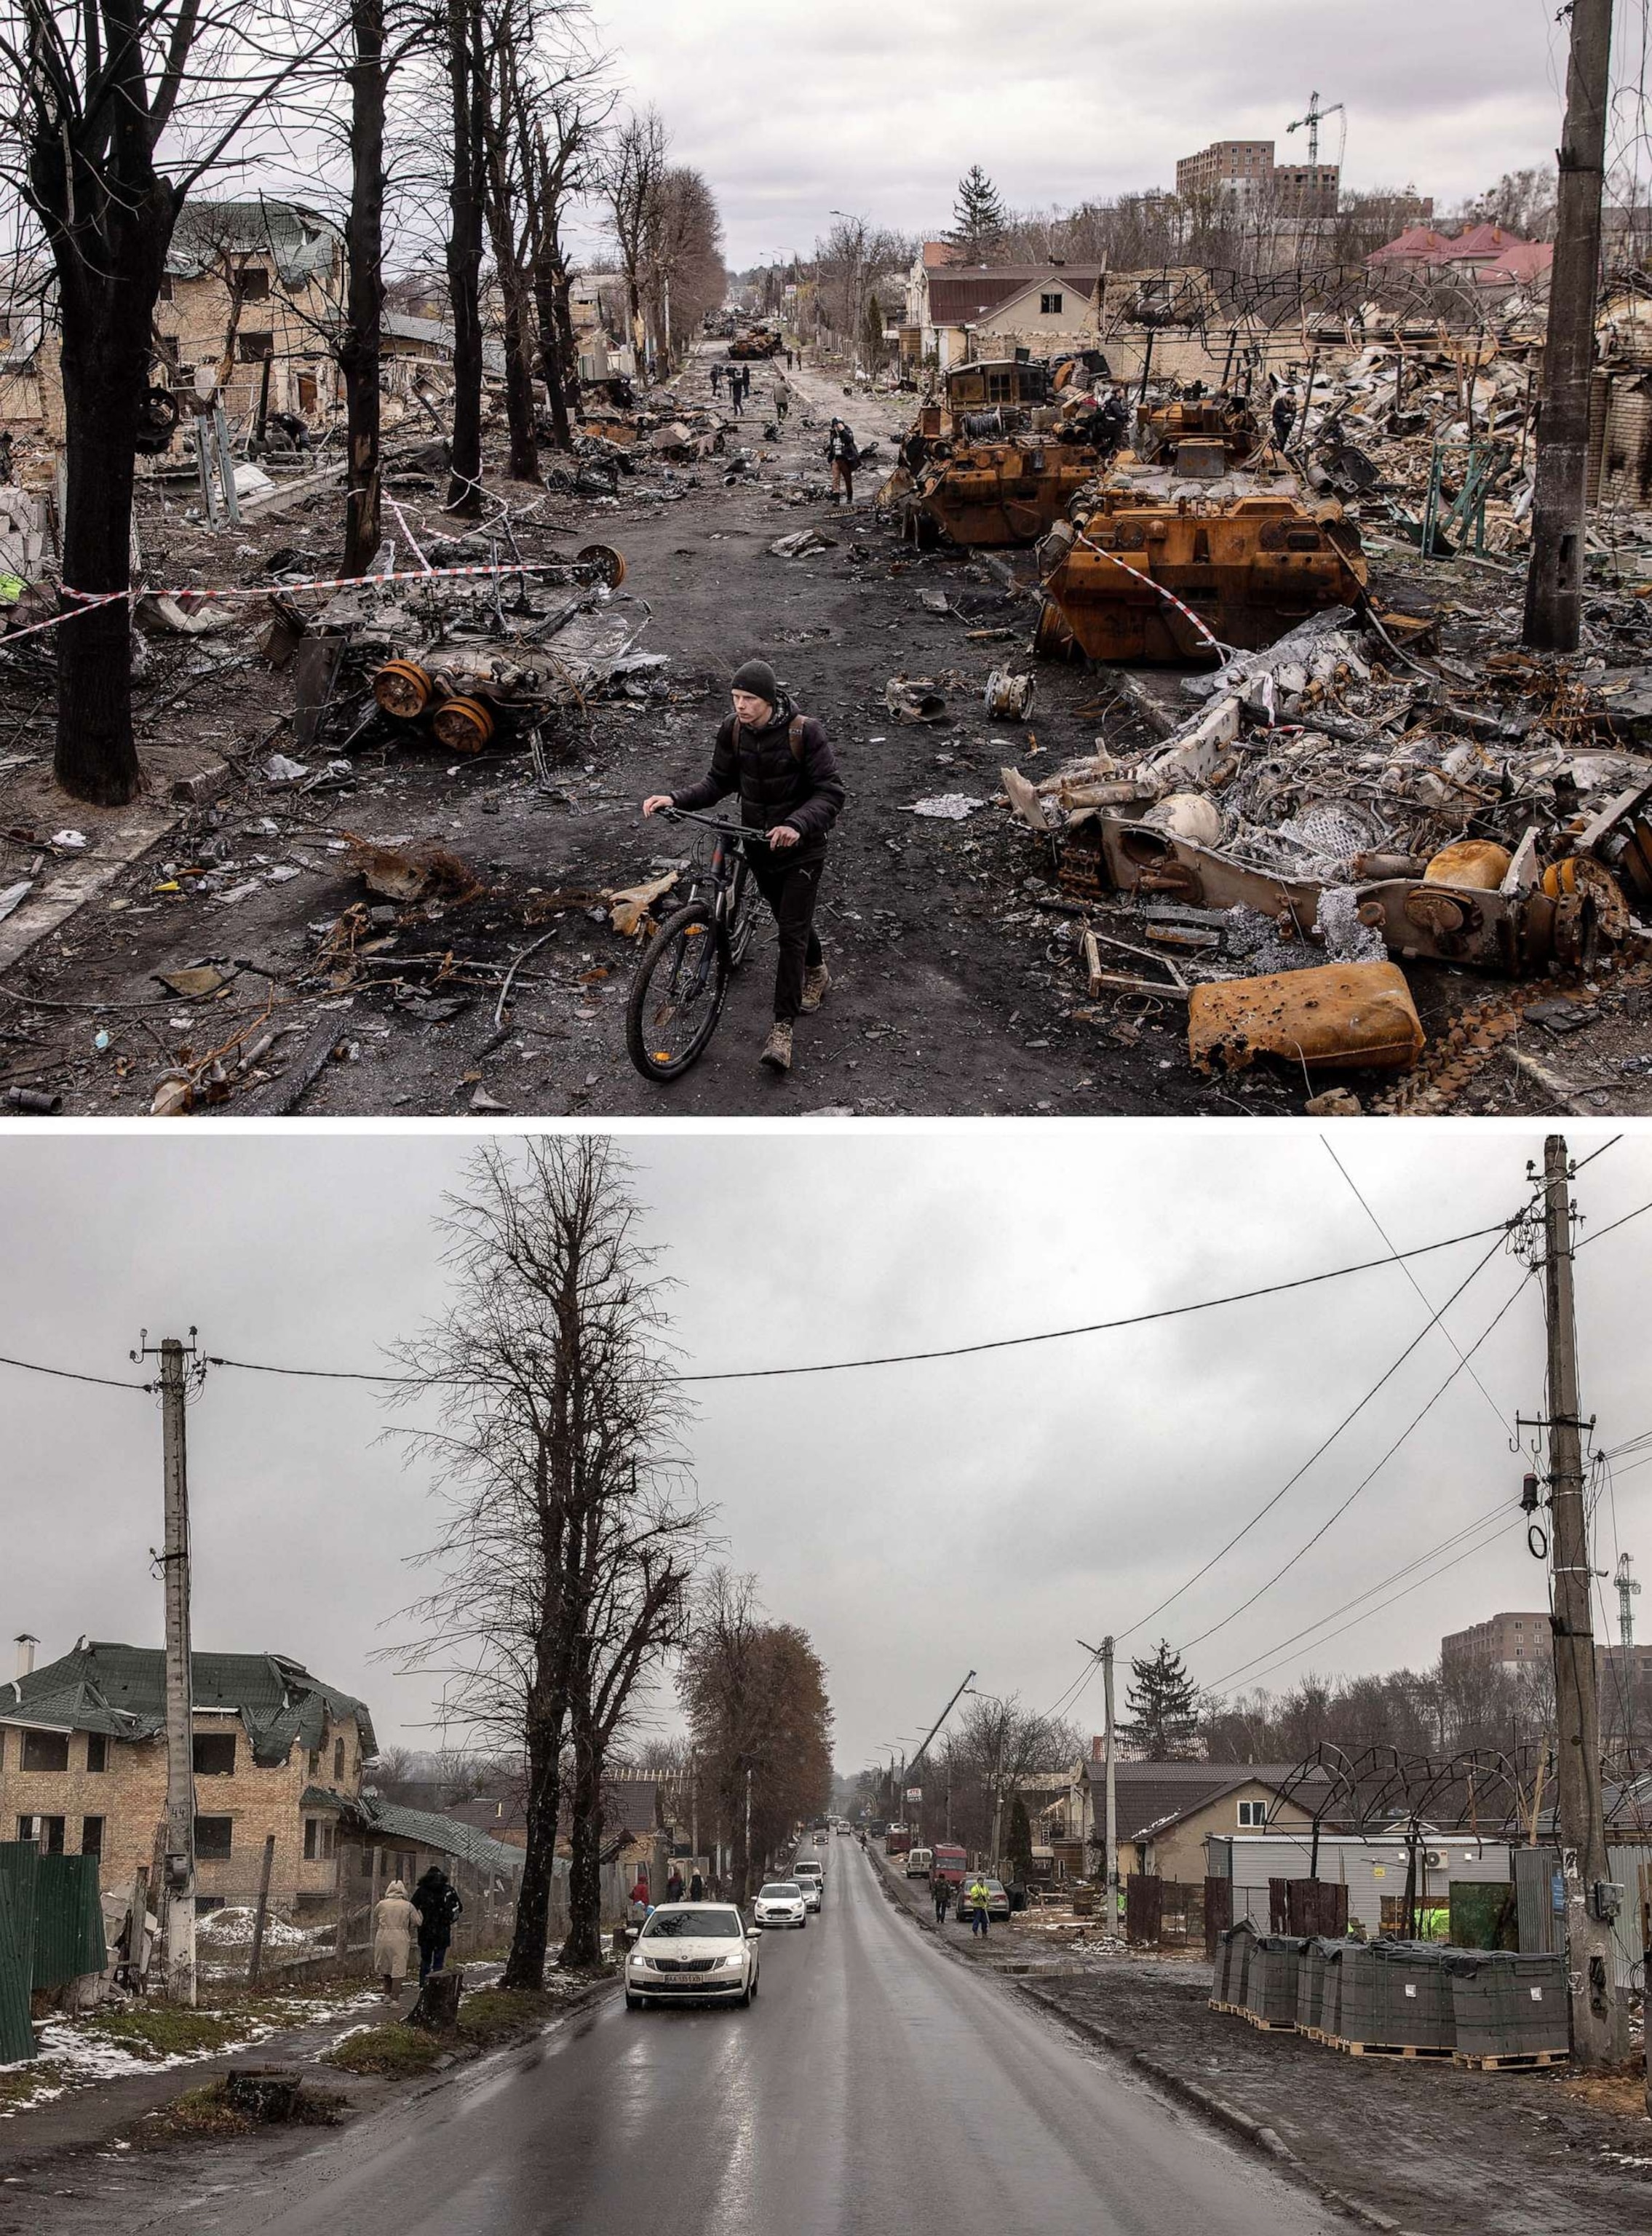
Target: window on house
<point>46,1831</point>
<point>91,1836</point>
<point>315,1760</point>
<point>337,1759</point>
<point>253,286</point>
<point>329,1836</point>
<point>45,1750</point>
<point>213,1838</point>
<point>311,1829</point>
<point>1050,306</point>
<point>214,1755</point>
<point>97,1752</point>
<point>367,1863</point>
<point>254,348</point>
<point>1253,1814</point>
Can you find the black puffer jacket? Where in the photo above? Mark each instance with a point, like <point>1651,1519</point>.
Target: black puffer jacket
<point>775,784</point>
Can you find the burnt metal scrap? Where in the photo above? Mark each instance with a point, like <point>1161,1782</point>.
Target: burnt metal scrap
<point>999,459</point>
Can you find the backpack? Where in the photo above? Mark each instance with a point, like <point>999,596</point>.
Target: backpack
<point>793,736</point>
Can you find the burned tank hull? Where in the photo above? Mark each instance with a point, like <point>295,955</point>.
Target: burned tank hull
<point>983,493</point>
<point>1244,552</point>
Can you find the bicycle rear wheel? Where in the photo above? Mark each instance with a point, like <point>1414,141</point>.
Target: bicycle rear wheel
<point>677,995</point>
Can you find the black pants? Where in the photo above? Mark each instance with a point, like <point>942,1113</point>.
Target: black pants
<point>791,887</point>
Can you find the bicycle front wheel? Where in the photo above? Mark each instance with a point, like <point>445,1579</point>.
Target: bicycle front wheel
<point>677,995</point>
<point>743,921</point>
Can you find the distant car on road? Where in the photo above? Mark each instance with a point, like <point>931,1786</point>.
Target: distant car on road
<point>692,1952</point>
<point>780,1902</point>
<point>948,1864</point>
<point>812,1880</point>
<point>917,1863</point>
<point>997,1899</point>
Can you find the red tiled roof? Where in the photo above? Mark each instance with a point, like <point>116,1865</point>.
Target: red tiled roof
<point>939,253</point>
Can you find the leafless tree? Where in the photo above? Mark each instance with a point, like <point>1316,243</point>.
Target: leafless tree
<point>566,1532</point>
<point>635,165</point>
<point>110,114</point>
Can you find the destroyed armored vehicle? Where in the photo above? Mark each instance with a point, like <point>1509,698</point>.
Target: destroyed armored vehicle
<point>993,464</point>
<point>757,342</point>
<point>1160,428</point>
<point>1239,547</point>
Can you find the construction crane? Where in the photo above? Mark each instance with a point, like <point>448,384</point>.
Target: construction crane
<point>1627,1589</point>
<point>1314,118</point>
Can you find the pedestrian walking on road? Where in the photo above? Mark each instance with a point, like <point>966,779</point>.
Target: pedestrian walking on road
<point>674,1886</point>
<point>943,1900</point>
<point>697,1888</point>
<point>978,1909</point>
<point>780,765</point>
<point>782,402</point>
<point>737,390</point>
<point>394,1923</point>
<point>717,379</point>
<point>844,455</point>
<point>437,1902</point>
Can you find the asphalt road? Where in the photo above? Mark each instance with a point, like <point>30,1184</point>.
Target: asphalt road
<point>875,2085</point>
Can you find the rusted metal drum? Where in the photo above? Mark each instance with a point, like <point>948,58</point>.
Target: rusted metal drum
<point>1343,1016</point>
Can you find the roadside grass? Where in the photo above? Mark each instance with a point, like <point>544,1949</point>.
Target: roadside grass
<point>487,2018</point>
<point>26,2082</point>
<point>203,2115</point>
<point>158,2031</point>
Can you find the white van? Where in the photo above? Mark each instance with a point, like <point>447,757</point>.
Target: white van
<point>919,1861</point>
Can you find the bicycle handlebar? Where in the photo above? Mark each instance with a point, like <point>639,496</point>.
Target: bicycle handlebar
<point>738,831</point>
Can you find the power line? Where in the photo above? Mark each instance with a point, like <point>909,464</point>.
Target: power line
<point>68,1374</point>
<point>1291,1481</point>
<point>1277,1651</point>
<point>1414,1423</point>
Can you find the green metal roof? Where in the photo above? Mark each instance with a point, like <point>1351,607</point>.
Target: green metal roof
<point>450,1836</point>
<point>121,1691</point>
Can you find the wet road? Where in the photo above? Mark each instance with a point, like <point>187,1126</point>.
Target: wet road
<point>875,2085</point>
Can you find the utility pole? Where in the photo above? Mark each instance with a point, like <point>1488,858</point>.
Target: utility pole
<point>1599,2021</point>
<point>178,1892</point>
<point>1110,1851</point>
<point>1555,578</point>
<point>746,1875</point>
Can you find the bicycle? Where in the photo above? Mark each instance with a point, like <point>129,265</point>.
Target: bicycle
<point>683,980</point>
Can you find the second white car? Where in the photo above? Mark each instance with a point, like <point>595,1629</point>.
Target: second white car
<point>780,1902</point>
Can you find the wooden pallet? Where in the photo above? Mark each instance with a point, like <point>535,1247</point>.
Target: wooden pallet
<point>1513,2060</point>
<point>1229,2010</point>
<point>1272,2026</point>
<point>1389,2050</point>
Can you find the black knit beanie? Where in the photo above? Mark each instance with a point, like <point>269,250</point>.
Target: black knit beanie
<point>759,678</point>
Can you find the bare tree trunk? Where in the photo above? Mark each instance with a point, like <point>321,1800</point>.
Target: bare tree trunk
<point>364,304</point>
<point>552,360</point>
<point>466,196</point>
<point>582,1950</point>
<point>525,1966</point>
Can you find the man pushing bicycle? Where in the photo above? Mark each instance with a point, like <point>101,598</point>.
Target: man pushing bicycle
<point>782,767</point>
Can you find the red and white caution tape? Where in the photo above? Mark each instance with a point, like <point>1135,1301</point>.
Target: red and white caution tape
<point>1140,574</point>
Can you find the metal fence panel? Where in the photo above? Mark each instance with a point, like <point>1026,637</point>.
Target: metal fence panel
<point>69,1921</point>
<point>18,1862</point>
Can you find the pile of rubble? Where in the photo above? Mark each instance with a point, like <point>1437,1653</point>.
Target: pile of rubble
<point>1333,810</point>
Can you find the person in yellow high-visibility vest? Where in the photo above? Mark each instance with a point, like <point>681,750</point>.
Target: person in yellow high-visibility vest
<point>979,1906</point>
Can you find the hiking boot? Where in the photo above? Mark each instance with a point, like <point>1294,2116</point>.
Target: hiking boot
<point>816,979</point>
<point>777,1048</point>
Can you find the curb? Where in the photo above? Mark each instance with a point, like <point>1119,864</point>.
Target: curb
<point>1213,2107</point>
<point>49,908</point>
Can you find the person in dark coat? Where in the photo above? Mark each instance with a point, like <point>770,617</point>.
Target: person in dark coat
<point>697,1888</point>
<point>843,454</point>
<point>1284,416</point>
<point>716,378</point>
<point>437,1900</point>
<point>943,1900</point>
<point>674,1886</point>
<point>779,763</point>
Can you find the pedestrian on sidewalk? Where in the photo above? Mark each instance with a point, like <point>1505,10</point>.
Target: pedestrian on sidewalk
<point>779,762</point>
<point>697,1888</point>
<point>437,1900</point>
<point>674,1886</point>
<point>978,1921</point>
<point>943,1900</point>
<point>844,455</point>
<point>394,1923</point>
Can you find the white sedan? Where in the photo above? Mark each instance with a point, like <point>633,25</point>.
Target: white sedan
<point>692,1952</point>
<point>780,1902</point>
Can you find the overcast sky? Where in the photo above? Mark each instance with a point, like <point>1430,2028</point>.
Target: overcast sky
<point>790,110</point>
<point>916,1520</point>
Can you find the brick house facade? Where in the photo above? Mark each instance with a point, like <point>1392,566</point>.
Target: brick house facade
<point>83,1767</point>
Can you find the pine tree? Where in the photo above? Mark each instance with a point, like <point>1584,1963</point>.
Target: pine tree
<point>1162,1707</point>
<point>982,220</point>
<point>1017,1852</point>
